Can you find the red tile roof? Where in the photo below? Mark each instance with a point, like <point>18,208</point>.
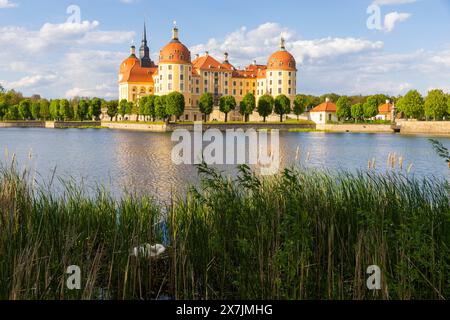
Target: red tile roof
<point>325,107</point>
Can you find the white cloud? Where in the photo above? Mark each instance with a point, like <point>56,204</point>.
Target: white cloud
<point>67,34</point>
<point>345,65</point>
<point>6,4</point>
<point>33,81</point>
<point>102,90</point>
<point>392,2</point>
<point>244,45</point>
<point>392,18</point>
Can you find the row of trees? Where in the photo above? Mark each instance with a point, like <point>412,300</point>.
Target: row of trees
<point>436,106</point>
<point>13,106</point>
<point>173,105</point>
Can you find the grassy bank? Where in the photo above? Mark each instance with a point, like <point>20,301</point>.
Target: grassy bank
<point>299,235</point>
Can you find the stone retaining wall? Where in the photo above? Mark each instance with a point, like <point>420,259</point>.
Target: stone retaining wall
<point>73,124</point>
<point>359,128</point>
<point>425,127</point>
<point>22,124</point>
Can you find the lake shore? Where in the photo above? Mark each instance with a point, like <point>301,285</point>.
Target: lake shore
<point>441,128</point>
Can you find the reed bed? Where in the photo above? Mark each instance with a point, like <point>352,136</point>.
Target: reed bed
<point>303,234</point>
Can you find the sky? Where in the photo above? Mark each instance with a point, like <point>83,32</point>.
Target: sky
<point>59,48</point>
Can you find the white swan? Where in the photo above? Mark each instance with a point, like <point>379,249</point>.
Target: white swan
<point>148,251</point>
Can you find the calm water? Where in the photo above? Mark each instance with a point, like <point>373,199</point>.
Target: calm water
<point>142,161</point>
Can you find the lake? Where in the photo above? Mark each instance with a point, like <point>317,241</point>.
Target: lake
<point>141,161</point>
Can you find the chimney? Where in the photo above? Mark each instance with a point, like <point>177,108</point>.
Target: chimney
<point>206,53</point>
<point>388,101</point>
<point>226,57</point>
<point>327,100</point>
<point>197,56</point>
<point>133,50</point>
<point>254,62</point>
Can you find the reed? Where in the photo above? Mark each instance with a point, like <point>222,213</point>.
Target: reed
<point>303,234</point>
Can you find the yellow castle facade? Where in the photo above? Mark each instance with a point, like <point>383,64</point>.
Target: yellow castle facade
<point>178,71</point>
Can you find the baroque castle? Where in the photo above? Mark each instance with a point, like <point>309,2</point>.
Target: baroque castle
<point>177,71</point>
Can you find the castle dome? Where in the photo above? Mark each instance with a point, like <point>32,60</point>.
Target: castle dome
<point>175,51</point>
<point>131,70</point>
<point>282,60</point>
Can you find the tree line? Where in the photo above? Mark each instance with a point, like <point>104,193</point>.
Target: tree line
<point>13,106</point>
<point>435,106</point>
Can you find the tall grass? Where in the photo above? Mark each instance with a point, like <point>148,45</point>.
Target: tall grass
<point>303,234</point>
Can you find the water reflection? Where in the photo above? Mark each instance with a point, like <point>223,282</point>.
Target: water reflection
<point>141,162</point>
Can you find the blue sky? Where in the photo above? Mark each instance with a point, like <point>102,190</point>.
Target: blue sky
<point>41,52</point>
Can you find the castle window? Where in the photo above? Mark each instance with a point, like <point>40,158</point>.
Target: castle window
<point>170,77</point>
<point>279,90</point>
<point>181,86</point>
<point>169,87</point>
<point>182,77</point>
<point>290,91</point>
<point>169,67</point>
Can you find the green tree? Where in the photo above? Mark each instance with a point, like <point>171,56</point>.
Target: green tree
<point>357,111</point>
<point>412,105</point>
<point>300,105</point>
<point>3,109</point>
<point>123,108</point>
<point>54,109</point>
<point>112,109</point>
<point>247,106</point>
<point>36,110</point>
<point>83,109</point>
<point>343,108</point>
<point>332,96</point>
<point>130,107</point>
<point>141,106</point>
<point>95,108</point>
<point>44,109</point>
<point>25,109</point>
<point>175,104</point>
<point>282,106</point>
<point>13,113</point>
<point>149,107</point>
<point>206,104</point>
<point>226,105</point>
<point>161,107</point>
<point>371,107</point>
<point>65,111</point>
<point>448,103</point>
<point>265,106</point>
<point>435,104</point>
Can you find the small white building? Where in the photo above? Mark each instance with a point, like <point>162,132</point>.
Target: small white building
<point>386,111</point>
<point>324,113</point>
